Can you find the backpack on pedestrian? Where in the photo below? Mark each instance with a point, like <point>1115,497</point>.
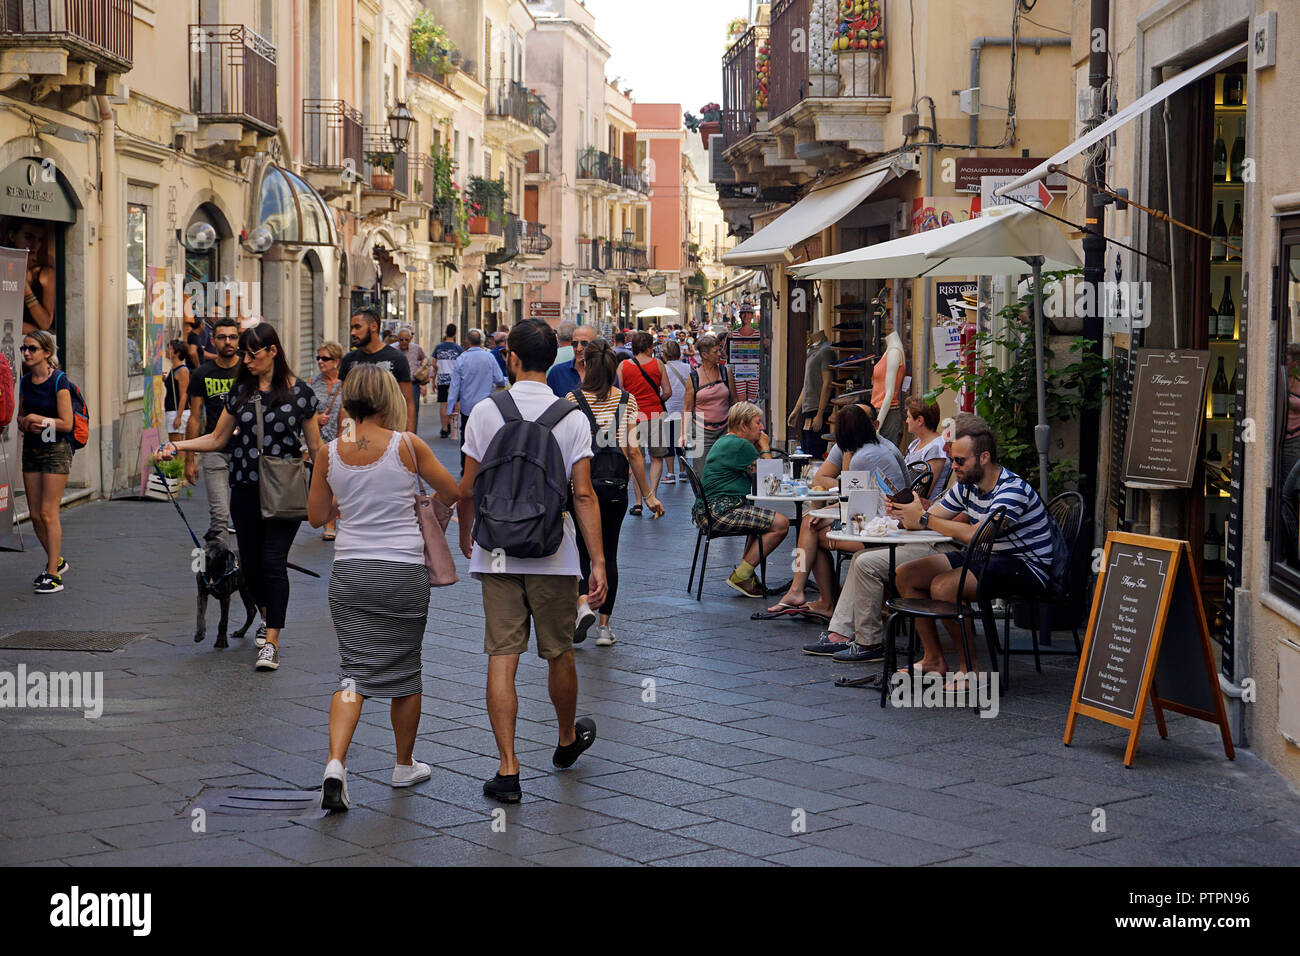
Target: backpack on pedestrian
<point>522,487</point>
<point>80,433</point>
<point>609,465</point>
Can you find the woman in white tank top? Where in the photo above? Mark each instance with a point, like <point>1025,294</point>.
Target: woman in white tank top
<point>379,588</point>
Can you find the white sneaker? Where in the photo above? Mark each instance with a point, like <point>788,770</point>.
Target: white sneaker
<point>415,772</point>
<point>604,636</point>
<point>586,618</point>
<point>334,787</point>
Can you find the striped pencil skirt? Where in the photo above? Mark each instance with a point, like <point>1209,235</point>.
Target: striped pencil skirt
<point>379,610</point>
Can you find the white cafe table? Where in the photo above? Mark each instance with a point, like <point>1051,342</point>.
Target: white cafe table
<point>893,542</point>
<point>797,500</point>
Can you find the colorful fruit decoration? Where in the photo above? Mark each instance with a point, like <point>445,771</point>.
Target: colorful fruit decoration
<point>762,68</point>
<point>860,26</point>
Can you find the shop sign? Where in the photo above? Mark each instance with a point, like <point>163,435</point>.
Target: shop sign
<point>538,276</point>
<point>1168,405</point>
<point>1031,192</point>
<point>550,311</point>
<point>971,169</point>
<point>491,288</point>
<point>1147,638</point>
<point>31,189</point>
<point>13,266</point>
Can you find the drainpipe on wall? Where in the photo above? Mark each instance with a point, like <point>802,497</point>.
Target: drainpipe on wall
<point>103,395</point>
<point>977,47</point>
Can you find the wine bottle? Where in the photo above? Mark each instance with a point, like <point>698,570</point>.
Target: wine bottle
<point>1219,236</point>
<point>1232,391</point>
<point>1234,88</point>
<point>1238,156</point>
<point>1234,234</point>
<point>1220,155</point>
<point>1219,398</point>
<point>1227,311</point>
<point>1212,325</point>
<point>1213,544</point>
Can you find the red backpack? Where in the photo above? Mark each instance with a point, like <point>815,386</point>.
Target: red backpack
<point>7,402</point>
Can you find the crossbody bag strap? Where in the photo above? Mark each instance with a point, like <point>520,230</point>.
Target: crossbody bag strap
<point>406,439</point>
<point>261,438</point>
<point>657,389</point>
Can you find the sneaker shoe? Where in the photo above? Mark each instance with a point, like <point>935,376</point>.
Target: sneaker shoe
<point>825,647</point>
<point>749,587</point>
<point>268,658</point>
<point>504,788</point>
<point>565,757</point>
<point>855,653</point>
<point>586,618</point>
<point>604,636</point>
<point>443,433</point>
<point>334,787</point>
<point>48,584</point>
<point>406,776</point>
<point>64,567</point>
<point>260,640</point>
<point>670,479</point>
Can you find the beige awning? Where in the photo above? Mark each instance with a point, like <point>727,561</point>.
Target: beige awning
<point>1139,106</point>
<point>810,215</point>
<point>741,281</point>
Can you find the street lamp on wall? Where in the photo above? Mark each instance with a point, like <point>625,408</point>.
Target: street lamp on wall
<point>399,126</point>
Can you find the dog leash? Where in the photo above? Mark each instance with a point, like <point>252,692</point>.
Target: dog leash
<point>176,505</point>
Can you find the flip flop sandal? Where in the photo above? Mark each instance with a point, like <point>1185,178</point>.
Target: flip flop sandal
<point>634,511</point>
<point>783,610</point>
<point>812,615</point>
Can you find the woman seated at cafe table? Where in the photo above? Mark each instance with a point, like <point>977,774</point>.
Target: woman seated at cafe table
<point>725,482</point>
<point>891,461</point>
<point>862,449</point>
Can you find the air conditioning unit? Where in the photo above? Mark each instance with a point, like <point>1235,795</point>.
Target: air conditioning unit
<point>719,171</point>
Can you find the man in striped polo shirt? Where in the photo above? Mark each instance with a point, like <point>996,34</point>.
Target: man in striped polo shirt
<point>1021,561</point>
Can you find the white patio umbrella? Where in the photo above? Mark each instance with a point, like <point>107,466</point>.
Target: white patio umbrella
<point>1002,241</point>
<point>657,312</point>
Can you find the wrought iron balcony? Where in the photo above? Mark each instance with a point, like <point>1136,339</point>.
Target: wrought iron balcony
<point>379,153</point>
<point>511,99</point>
<point>442,223</point>
<point>628,257</point>
<point>531,238</point>
<point>811,60</point>
<point>232,76</point>
<point>97,32</point>
<point>333,137</point>
<point>745,85</point>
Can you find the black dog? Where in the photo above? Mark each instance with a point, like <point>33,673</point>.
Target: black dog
<point>221,578</point>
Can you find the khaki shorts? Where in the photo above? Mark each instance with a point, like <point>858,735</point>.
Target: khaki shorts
<point>511,600</point>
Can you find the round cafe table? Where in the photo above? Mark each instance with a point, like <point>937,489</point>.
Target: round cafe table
<point>798,501</point>
<point>891,541</point>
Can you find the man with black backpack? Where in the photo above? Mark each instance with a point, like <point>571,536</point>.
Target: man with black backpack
<point>523,448</point>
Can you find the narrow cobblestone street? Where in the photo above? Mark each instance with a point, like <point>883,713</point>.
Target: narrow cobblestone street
<point>719,742</point>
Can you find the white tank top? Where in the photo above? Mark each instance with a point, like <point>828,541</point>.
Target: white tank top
<point>376,508</point>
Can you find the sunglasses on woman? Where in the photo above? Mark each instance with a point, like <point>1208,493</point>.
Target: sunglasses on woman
<point>30,348</point>
<point>324,358</point>
<point>251,353</point>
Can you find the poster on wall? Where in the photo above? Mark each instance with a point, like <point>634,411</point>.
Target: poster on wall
<point>13,268</point>
<point>932,212</point>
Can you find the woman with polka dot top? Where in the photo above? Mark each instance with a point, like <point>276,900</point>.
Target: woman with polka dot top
<point>289,409</point>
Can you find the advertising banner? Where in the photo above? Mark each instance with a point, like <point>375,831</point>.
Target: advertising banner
<point>13,267</point>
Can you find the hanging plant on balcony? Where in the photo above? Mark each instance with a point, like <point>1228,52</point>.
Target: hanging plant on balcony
<point>711,113</point>
<point>489,196</point>
<point>444,172</point>
<point>430,43</point>
<point>736,29</point>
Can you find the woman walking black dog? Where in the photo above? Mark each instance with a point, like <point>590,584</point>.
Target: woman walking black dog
<point>286,407</point>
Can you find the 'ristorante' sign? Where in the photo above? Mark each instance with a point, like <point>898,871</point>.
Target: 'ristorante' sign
<point>1167,409</point>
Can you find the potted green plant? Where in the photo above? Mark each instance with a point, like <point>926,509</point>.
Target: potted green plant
<point>584,239</point>
<point>381,176</point>
<point>431,46</point>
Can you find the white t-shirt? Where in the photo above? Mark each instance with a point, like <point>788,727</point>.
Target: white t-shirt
<point>573,435</point>
<point>916,454</point>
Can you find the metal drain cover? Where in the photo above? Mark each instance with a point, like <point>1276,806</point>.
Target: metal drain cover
<point>252,802</point>
<point>69,640</point>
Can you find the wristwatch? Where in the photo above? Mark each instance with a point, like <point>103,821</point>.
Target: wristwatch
<point>925,520</point>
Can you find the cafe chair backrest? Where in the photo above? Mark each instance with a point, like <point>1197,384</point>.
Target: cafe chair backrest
<point>923,481</point>
<point>981,548</point>
<point>1066,509</point>
<point>698,488</point>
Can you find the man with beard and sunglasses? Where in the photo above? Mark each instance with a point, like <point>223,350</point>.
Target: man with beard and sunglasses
<point>368,347</point>
<point>1023,553</point>
<point>209,385</point>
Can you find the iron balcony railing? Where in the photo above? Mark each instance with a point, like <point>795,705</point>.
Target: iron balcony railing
<point>333,135</point>
<point>232,76</point>
<point>632,258</point>
<point>421,173</point>
<point>487,209</point>
<point>510,98</point>
<point>743,94</point>
<point>593,164</point>
<point>442,222</point>
<point>100,29</point>
<point>597,164</point>
<point>439,71</point>
<point>529,238</point>
<point>828,58</point>
<point>379,151</point>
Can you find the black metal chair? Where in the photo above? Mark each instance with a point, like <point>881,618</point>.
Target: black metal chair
<point>978,552</point>
<point>708,532</point>
<point>1066,509</point>
<point>922,480</point>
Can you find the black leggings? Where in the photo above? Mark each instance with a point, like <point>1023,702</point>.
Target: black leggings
<point>612,513</point>
<point>263,551</point>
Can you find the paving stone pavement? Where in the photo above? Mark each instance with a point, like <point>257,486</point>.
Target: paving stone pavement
<point>719,743</point>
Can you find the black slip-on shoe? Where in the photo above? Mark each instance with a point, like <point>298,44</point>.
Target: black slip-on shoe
<point>504,787</point>
<point>565,757</point>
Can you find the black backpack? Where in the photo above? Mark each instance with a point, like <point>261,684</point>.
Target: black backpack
<point>609,466</point>
<point>522,485</point>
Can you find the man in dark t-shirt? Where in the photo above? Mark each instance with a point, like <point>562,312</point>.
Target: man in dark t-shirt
<point>368,347</point>
<point>209,384</point>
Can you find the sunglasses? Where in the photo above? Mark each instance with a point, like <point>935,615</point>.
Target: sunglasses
<point>30,348</point>
<point>324,358</point>
<point>251,353</point>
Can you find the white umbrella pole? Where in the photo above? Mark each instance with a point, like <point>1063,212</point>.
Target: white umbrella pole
<point>1041,429</point>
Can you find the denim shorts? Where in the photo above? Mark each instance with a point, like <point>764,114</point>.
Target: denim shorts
<point>45,457</point>
<point>1005,576</point>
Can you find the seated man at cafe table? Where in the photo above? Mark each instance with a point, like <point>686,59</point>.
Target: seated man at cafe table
<point>861,449</point>
<point>725,482</point>
<point>1022,556</point>
<point>858,611</point>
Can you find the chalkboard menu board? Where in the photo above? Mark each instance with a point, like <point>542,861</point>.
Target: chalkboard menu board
<point>1232,542</point>
<point>1120,395</point>
<point>1147,640</point>
<point>1165,416</point>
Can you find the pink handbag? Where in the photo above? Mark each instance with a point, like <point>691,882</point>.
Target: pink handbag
<point>433,517</point>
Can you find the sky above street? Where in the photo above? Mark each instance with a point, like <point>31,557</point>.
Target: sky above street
<point>667,51</point>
